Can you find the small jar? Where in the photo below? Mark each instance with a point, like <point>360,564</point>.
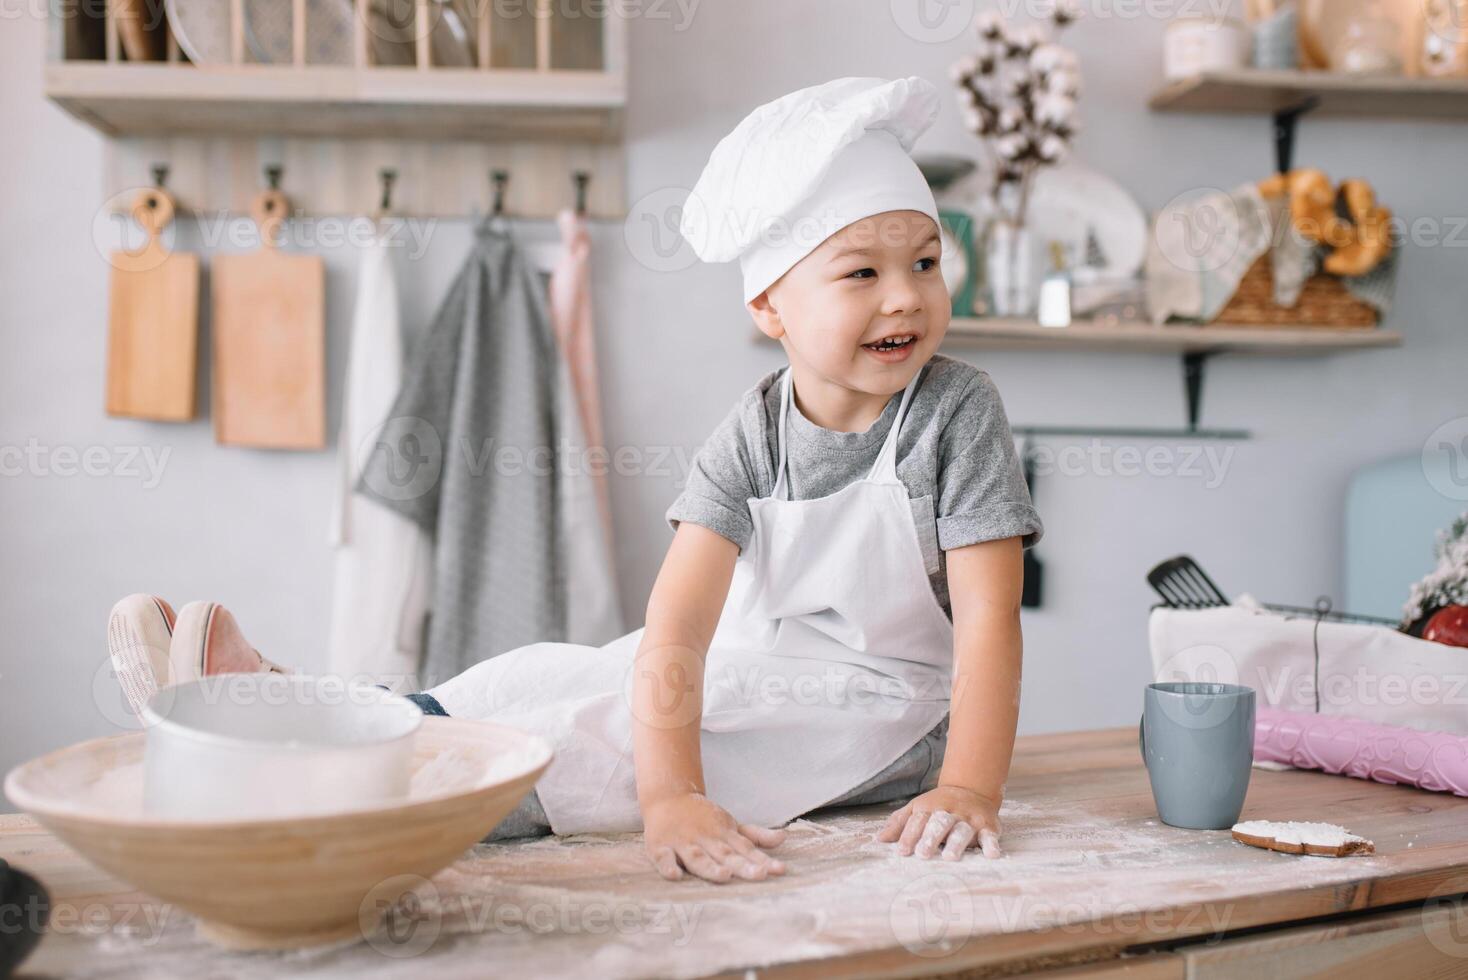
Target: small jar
<point>1193,45</point>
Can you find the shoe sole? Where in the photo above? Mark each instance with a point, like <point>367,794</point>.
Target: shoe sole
<point>190,642</point>
<point>139,638</point>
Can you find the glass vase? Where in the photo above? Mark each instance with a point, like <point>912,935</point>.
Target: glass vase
<point>1011,269</point>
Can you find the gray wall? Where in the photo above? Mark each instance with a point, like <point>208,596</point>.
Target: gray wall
<point>248,528</point>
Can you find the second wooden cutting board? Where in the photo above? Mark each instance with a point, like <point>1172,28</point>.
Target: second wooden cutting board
<point>269,335</point>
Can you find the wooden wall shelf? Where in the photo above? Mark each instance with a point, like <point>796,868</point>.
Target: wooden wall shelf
<point>1257,91</point>
<point>1003,334</point>
<point>537,91</point>
<point>267,100</point>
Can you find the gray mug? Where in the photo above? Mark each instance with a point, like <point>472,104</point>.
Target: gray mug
<point>1197,741</point>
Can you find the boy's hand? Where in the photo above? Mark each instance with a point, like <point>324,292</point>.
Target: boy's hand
<point>949,817</point>
<point>692,831</point>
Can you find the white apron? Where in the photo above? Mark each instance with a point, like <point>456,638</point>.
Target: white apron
<point>832,658</point>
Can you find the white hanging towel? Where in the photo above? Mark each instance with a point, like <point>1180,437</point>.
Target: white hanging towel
<point>384,561</point>
<point>593,612</point>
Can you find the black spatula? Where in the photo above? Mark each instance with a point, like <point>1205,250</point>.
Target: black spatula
<point>1183,585</point>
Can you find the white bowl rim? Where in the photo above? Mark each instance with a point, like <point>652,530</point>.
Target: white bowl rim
<point>152,720</point>
<point>45,808</point>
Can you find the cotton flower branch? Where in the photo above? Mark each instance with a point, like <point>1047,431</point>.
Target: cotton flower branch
<point>1019,93</point>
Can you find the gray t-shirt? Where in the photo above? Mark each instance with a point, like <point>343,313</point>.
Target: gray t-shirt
<point>955,454</point>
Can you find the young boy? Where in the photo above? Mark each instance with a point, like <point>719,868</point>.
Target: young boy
<point>845,572</point>
<point>837,236</point>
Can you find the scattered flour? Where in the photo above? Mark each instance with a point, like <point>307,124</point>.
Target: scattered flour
<point>591,904</point>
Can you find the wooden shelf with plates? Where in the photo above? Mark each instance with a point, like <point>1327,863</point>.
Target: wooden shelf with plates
<point>1252,90</point>
<point>334,92</point>
<point>268,100</point>
<point>1142,337</point>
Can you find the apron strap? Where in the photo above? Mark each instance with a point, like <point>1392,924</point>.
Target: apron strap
<point>886,464</point>
<point>780,428</point>
<point>885,468</point>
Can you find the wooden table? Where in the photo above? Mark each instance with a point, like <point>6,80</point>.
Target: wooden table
<point>1092,885</point>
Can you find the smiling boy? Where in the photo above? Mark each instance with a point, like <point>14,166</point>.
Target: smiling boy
<point>837,236</point>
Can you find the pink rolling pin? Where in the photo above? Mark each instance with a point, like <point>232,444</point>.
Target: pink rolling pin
<point>1364,749</point>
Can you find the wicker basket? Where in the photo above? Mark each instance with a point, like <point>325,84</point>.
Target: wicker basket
<point>1323,302</point>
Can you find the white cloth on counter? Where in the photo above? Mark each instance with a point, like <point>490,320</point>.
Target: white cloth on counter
<point>383,561</point>
<point>1366,671</point>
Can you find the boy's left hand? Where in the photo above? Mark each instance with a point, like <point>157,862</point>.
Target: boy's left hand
<point>947,817</point>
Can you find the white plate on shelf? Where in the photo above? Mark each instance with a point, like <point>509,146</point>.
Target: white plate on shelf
<point>1069,203</point>
<point>328,31</point>
<point>202,29</point>
<point>391,35</point>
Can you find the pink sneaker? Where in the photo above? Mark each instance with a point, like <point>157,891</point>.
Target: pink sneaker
<point>139,636</point>
<point>208,641</point>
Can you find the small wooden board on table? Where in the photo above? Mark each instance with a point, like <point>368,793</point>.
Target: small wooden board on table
<point>1092,884</point>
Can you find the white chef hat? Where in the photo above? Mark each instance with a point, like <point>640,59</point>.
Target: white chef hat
<point>799,169</point>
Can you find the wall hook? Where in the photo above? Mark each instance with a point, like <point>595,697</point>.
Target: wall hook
<point>272,176</point>
<point>160,175</point>
<point>500,178</point>
<point>582,178</point>
<point>388,175</point>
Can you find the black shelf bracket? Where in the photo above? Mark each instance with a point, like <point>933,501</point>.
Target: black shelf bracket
<point>1193,363</point>
<point>1193,385</point>
<point>1284,131</point>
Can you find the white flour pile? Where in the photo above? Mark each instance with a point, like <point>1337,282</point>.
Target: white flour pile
<point>1299,832</point>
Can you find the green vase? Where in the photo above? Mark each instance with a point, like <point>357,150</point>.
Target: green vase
<point>960,227</point>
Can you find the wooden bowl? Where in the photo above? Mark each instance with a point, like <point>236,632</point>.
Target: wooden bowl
<point>291,882</point>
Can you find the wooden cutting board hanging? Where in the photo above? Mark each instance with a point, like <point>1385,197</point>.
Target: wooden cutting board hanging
<point>152,322</point>
<point>269,342</point>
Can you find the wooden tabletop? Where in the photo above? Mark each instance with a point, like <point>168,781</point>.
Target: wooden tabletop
<point>1088,871</point>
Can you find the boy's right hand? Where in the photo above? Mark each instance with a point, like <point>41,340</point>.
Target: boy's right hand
<point>690,831</point>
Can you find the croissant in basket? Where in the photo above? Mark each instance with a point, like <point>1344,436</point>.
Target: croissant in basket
<point>1358,240</point>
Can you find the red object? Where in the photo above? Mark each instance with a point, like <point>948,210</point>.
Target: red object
<point>1448,625</point>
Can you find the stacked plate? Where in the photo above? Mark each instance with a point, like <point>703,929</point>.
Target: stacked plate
<point>202,29</point>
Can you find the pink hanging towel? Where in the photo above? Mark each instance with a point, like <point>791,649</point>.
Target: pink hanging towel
<point>593,613</point>
<point>570,300</point>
